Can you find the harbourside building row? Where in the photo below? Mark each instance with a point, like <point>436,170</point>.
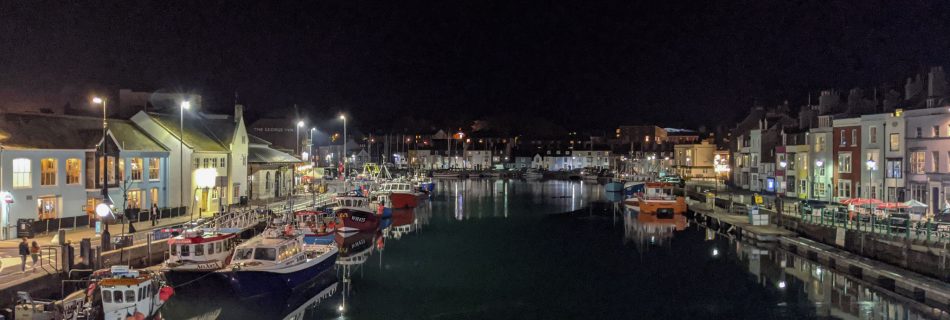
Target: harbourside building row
<point>887,147</point>
<point>53,166</point>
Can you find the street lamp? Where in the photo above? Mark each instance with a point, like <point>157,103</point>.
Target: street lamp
<point>312,129</point>
<point>181,152</point>
<point>297,141</point>
<point>343,117</point>
<point>104,208</point>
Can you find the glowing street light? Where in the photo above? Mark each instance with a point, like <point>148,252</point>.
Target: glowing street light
<point>343,117</point>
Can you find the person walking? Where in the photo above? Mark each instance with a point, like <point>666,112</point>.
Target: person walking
<point>24,251</point>
<point>35,254</point>
<point>154,213</point>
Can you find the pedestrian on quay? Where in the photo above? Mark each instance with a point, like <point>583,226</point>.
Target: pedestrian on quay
<point>35,254</point>
<point>154,214</point>
<point>24,251</point>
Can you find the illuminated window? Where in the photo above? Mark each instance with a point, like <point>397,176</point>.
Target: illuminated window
<point>134,199</point>
<point>153,169</point>
<point>73,169</point>
<point>136,169</point>
<point>21,173</point>
<point>154,196</point>
<point>48,172</point>
<point>917,162</point>
<point>895,142</point>
<point>47,208</point>
<point>121,169</point>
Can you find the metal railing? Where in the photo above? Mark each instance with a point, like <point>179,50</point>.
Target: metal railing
<point>894,226</point>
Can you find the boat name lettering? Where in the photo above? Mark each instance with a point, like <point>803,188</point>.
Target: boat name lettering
<point>358,219</point>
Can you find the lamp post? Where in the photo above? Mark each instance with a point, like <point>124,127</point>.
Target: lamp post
<point>343,158</point>
<point>293,176</point>
<point>104,208</point>
<point>181,153</point>
<point>312,129</point>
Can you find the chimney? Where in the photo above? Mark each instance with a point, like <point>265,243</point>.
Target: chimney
<point>238,112</point>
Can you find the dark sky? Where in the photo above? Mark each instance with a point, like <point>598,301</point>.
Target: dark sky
<point>580,64</point>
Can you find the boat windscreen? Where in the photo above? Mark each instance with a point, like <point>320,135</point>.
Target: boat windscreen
<point>268,254</point>
<point>243,254</point>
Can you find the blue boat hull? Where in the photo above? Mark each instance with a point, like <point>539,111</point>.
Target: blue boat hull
<point>254,283</point>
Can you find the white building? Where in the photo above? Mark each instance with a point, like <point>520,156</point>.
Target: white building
<point>213,155</point>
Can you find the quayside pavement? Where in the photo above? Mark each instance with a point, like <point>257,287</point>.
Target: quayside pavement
<point>10,267</point>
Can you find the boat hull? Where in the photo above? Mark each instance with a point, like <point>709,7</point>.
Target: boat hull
<point>403,200</point>
<point>182,280</point>
<point>247,283</point>
<point>355,220</point>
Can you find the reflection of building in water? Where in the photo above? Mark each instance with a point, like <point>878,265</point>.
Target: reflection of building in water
<point>833,294</point>
<point>649,230</point>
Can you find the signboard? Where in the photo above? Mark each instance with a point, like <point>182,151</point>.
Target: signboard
<point>24,228</point>
<point>758,199</point>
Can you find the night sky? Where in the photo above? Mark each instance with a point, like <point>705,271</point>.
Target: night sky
<point>577,64</point>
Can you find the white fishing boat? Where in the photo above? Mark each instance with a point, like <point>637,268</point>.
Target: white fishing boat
<point>195,253</point>
<point>129,293</point>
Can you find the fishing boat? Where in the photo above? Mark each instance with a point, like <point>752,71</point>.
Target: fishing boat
<point>316,226</point>
<point>400,194</point>
<point>276,261</point>
<point>355,214</point>
<point>195,253</point>
<point>657,199</point>
<point>127,293</point>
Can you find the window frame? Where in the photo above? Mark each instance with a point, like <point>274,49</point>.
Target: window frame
<point>48,172</point>
<point>22,173</point>
<point>154,169</point>
<point>78,171</point>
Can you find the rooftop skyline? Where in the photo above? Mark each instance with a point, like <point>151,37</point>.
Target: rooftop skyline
<point>579,65</point>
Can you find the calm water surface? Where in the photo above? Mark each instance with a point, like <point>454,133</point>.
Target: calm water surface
<point>508,249</point>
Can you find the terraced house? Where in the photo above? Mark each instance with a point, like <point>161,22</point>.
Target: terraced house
<point>53,175</point>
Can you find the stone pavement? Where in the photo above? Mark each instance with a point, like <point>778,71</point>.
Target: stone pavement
<point>10,259</point>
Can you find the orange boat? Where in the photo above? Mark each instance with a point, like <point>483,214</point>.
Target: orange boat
<point>657,199</point>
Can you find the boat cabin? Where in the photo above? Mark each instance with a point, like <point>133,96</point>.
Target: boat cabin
<point>128,292</point>
<point>403,187</point>
<point>351,202</point>
<point>270,248</point>
<point>205,251</point>
<point>658,191</point>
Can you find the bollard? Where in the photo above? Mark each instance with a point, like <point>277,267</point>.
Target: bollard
<point>148,247</point>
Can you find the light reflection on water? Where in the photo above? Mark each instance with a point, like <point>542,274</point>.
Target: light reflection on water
<point>563,249</point>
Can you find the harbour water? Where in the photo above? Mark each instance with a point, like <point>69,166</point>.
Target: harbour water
<point>510,249</point>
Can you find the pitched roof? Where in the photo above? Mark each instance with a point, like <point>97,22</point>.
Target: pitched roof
<point>201,132</point>
<point>264,154</point>
<point>49,131</point>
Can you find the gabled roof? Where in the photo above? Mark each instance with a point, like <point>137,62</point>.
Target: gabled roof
<point>49,131</point>
<point>201,132</point>
<point>264,154</point>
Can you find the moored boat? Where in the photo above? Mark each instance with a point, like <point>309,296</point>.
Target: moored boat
<point>276,261</point>
<point>316,226</point>
<point>195,253</point>
<point>657,199</point>
<point>355,215</point>
<point>126,292</point>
